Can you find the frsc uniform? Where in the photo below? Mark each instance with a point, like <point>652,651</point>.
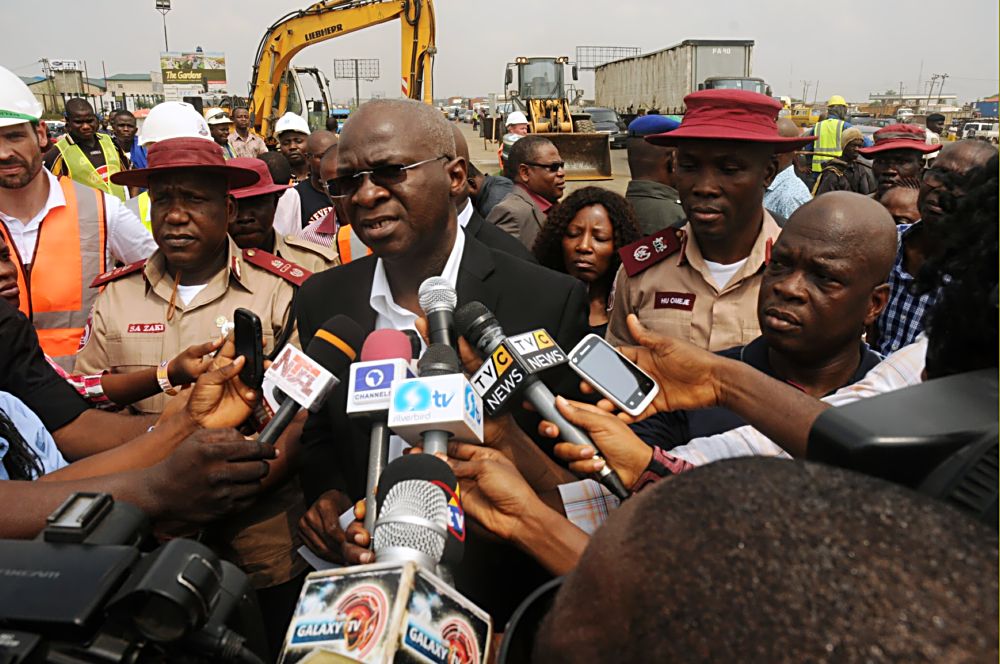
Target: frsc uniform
<point>663,279</point>
<point>309,255</point>
<point>71,251</point>
<point>134,326</point>
<point>80,168</point>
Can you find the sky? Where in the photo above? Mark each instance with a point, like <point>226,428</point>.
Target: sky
<point>850,47</point>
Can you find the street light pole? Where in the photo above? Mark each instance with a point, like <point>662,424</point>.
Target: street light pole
<point>163,6</point>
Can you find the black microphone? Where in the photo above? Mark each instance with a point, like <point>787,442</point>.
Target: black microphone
<point>307,378</point>
<point>416,343</point>
<point>438,300</point>
<point>481,329</point>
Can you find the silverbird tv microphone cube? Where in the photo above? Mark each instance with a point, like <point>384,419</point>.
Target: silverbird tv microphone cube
<point>385,613</point>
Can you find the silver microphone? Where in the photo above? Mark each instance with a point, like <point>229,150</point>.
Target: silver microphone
<point>438,300</point>
<point>412,525</point>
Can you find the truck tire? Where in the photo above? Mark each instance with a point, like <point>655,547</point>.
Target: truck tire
<point>584,127</point>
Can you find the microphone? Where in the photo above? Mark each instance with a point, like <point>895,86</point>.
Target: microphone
<point>438,405</point>
<point>438,300</point>
<point>481,329</point>
<point>307,378</point>
<point>416,343</point>
<point>385,357</point>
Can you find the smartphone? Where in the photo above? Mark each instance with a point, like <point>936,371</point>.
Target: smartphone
<point>250,344</point>
<point>623,383</point>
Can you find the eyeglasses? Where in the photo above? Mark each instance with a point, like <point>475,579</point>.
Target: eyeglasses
<point>381,176</point>
<point>554,167</point>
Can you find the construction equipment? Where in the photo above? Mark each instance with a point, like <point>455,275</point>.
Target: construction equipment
<point>275,89</point>
<point>541,96</point>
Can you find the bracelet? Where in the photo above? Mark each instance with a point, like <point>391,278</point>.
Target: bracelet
<point>164,380</point>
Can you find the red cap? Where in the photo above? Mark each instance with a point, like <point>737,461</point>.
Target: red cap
<point>386,345</point>
<point>730,115</point>
<point>185,154</point>
<point>265,185</point>
<point>900,137</point>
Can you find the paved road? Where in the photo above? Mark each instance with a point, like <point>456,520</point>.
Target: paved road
<point>484,156</point>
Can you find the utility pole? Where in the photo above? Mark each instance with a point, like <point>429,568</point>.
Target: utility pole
<point>927,104</point>
<point>805,90</point>
<point>357,85</point>
<point>163,6</point>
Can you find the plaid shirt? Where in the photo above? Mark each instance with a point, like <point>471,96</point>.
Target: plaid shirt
<point>903,318</point>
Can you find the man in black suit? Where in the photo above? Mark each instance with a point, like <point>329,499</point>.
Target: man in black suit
<point>473,222</point>
<point>408,219</point>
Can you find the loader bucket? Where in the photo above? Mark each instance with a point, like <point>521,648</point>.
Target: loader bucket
<point>587,156</point>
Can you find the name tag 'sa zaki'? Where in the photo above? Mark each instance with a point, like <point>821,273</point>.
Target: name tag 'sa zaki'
<point>669,300</point>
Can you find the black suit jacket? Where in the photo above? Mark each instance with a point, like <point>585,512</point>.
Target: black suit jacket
<point>495,238</point>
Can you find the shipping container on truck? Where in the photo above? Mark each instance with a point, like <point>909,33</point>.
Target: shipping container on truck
<point>659,81</point>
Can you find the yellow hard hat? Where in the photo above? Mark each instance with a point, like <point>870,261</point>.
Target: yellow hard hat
<point>836,100</point>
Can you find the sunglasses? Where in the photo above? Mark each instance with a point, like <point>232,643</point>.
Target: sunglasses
<point>554,167</point>
<point>380,176</point>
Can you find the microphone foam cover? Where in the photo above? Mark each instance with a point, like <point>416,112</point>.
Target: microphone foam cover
<point>469,316</point>
<point>386,345</point>
<point>414,467</point>
<point>439,360</point>
<point>336,344</point>
<point>437,293</point>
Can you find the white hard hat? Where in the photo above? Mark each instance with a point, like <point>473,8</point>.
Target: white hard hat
<point>173,119</point>
<point>290,122</point>
<point>17,104</point>
<point>516,117</point>
<point>214,116</point>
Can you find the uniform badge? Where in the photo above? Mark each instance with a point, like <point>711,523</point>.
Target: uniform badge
<point>225,326</point>
<point>650,250</point>
<point>670,300</point>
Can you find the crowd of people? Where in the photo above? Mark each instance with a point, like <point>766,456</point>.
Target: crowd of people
<point>756,294</point>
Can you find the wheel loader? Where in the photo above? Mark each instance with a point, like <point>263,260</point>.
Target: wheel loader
<point>541,95</point>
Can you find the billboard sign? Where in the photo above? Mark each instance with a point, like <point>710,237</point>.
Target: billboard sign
<point>207,69</point>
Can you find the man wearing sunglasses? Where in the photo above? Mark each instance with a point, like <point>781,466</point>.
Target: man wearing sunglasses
<point>539,178</point>
<point>397,176</point>
<point>940,188</point>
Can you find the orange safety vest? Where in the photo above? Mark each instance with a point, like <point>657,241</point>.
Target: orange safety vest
<point>71,250</point>
<point>349,246</point>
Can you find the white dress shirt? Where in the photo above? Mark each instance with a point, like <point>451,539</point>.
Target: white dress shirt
<point>392,316</point>
<point>128,239</point>
<point>465,214</point>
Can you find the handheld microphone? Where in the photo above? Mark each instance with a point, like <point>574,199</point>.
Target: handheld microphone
<point>481,329</point>
<point>385,357</point>
<point>307,378</point>
<point>438,300</point>
<point>416,343</point>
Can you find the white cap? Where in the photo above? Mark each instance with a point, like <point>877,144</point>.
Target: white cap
<point>291,122</point>
<point>215,116</point>
<point>17,104</point>
<point>516,117</point>
<point>173,119</point>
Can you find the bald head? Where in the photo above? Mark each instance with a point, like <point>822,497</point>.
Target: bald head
<point>317,145</point>
<point>787,129</point>
<point>649,162</point>
<point>901,202</point>
<point>404,115</point>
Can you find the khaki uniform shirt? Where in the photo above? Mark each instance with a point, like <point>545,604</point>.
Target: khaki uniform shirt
<point>309,255</point>
<point>129,330</point>
<point>665,282</point>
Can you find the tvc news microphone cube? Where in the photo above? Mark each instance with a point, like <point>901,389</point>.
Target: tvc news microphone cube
<point>385,612</point>
<point>370,384</point>
<point>436,403</point>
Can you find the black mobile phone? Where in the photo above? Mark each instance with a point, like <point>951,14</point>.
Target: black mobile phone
<point>613,375</point>
<point>250,344</point>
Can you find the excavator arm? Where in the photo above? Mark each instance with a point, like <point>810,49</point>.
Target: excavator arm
<point>333,18</point>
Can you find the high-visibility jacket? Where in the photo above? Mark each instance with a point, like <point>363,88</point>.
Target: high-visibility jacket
<point>349,246</point>
<point>827,143</point>
<point>81,170</point>
<point>139,205</point>
<point>70,252</point>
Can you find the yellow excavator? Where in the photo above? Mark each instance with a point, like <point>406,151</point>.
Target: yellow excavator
<point>275,88</point>
<point>541,95</point>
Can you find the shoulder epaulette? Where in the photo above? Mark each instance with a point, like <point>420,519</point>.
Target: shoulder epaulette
<point>295,274</point>
<point>650,250</point>
<point>117,273</point>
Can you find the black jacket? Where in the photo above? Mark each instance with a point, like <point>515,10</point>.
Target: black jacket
<point>523,296</point>
<point>495,238</point>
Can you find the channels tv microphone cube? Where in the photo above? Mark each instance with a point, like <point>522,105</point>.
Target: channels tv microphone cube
<point>436,403</point>
<point>370,384</point>
<point>395,613</point>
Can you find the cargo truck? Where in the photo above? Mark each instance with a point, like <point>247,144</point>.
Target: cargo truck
<point>657,82</point>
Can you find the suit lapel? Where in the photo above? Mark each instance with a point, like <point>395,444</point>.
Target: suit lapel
<point>358,299</point>
<point>473,273</point>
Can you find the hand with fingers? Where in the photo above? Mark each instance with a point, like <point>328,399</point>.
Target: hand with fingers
<point>219,398</point>
<point>212,473</point>
<point>192,362</point>
<point>321,531</point>
<point>616,442</point>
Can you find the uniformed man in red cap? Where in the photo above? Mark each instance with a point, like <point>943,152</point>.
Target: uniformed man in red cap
<point>898,154</point>
<point>700,282</point>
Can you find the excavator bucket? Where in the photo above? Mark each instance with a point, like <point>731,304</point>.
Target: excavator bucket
<point>587,156</point>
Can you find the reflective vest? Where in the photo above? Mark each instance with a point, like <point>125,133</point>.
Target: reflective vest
<point>140,208</point>
<point>80,169</point>
<point>70,252</point>
<point>827,143</point>
<point>349,246</point>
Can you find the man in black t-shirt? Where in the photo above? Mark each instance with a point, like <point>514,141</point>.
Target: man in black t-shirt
<point>312,192</point>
